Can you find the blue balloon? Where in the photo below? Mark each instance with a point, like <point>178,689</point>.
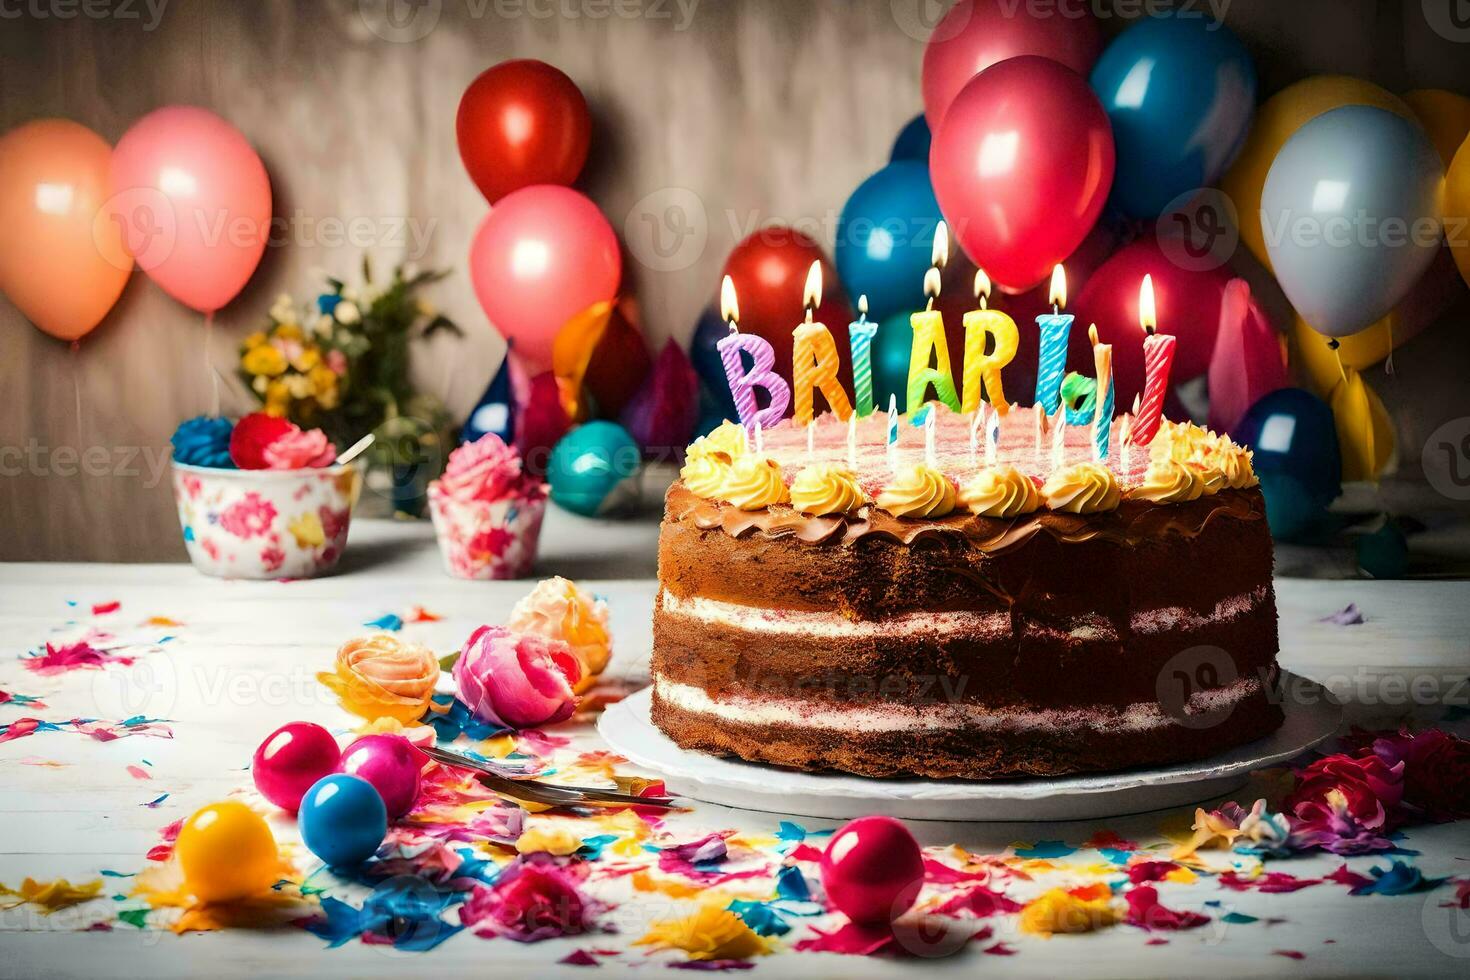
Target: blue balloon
<point>589,463</point>
<point>1180,93</point>
<point>495,412</point>
<point>1293,434</point>
<point>892,347</point>
<point>706,359</point>
<point>912,142</point>
<point>342,819</point>
<point>885,236</point>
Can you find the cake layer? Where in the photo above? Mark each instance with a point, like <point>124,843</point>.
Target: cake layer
<point>946,741</point>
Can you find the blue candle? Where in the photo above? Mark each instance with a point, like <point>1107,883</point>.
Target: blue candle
<point>860,334</point>
<point>1102,431</point>
<point>1052,360</point>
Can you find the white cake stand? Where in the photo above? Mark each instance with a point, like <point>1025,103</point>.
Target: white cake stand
<point>1312,715</point>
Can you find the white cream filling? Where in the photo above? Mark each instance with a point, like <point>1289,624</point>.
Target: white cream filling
<point>1177,617</point>
<point>799,713</point>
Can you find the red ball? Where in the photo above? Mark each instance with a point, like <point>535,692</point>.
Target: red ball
<point>391,764</point>
<point>291,759</point>
<point>873,869</point>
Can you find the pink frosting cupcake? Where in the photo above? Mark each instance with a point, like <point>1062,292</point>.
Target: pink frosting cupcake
<point>487,512</point>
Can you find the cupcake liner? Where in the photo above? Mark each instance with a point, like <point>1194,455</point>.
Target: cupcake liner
<point>265,524</point>
<point>483,541</point>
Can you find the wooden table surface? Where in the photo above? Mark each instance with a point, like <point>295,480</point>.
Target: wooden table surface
<point>244,662</point>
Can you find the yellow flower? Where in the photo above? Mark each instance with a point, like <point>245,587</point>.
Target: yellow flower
<point>712,933</point>
<point>277,399</point>
<point>49,896</point>
<point>264,360</point>
<point>381,676</point>
<point>287,331</point>
<point>307,530</point>
<point>255,339</point>
<point>309,358</point>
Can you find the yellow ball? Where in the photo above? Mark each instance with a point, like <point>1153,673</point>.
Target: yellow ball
<point>227,853</point>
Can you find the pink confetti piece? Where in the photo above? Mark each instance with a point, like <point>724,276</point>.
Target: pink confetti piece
<point>72,656</point>
<point>138,772</point>
<point>1290,954</point>
<point>103,608</point>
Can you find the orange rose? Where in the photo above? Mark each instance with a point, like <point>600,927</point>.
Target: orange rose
<point>381,676</point>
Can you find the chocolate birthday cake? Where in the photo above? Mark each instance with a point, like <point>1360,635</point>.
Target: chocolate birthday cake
<point>964,606</point>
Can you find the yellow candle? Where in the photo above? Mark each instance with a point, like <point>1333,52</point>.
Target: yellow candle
<point>814,358</point>
<point>982,370</point>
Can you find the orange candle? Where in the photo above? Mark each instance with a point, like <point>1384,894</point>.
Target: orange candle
<point>814,358</point>
<point>982,370</point>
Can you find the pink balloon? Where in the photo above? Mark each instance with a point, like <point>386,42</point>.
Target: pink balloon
<point>976,34</point>
<point>1248,362</point>
<point>541,255</point>
<point>1188,304</point>
<point>291,759</point>
<point>194,203</point>
<point>1022,165</point>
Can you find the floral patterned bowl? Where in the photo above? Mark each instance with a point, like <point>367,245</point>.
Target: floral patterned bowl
<point>482,540</point>
<point>265,523</point>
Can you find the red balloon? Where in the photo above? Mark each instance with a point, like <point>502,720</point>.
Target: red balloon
<point>1022,165</point>
<point>543,254</point>
<point>769,269</point>
<point>522,123</point>
<point>873,870</point>
<point>1187,303</point>
<point>975,35</point>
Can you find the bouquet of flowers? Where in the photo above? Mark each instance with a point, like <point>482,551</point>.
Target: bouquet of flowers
<point>341,364</point>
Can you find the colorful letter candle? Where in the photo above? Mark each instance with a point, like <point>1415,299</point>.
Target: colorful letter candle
<point>762,373</point>
<point>1102,425</point>
<point>982,370</point>
<point>814,357</point>
<point>928,327</point>
<point>1158,360</point>
<point>1052,361</point>
<point>860,334</point>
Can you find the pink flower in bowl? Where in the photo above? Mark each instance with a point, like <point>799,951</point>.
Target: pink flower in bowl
<point>517,680</point>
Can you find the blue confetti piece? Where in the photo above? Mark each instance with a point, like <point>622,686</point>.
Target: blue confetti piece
<point>153,804</point>
<point>1397,879</point>
<point>1045,849</point>
<point>1114,855</point>
<point>457,721</point>
<point>762,919</point>
<point>1238,918</point>
<point>592,847</point>
<point>109,873</point>
<point>790,884</point>
<point>387,621</point>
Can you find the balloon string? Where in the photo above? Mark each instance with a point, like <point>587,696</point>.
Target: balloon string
<point>1388,364</point>
<point>209,367</point>
<point>76,387</point>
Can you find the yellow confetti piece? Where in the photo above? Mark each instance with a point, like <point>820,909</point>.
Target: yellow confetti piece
<point>1210,830</point>
<point>711,933</point>
<point>161,621</point>
<point>1182,876</point>
<point>50,896</point>
<point>753,842</point>
<point>1060,911</point>
<point>558,840</point>
<point>498,747</point>
<point>162,887</point>
<point>644,882</point>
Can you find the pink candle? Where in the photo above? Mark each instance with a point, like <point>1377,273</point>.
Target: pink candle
<point>1158,360</point>
<point>762,373</point>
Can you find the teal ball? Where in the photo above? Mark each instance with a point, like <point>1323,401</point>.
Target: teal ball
<point>1384,553</point>
<point>1291,510</point>
<point>588,464</point>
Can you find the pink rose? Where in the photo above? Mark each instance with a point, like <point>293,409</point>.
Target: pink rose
<point>1436,771</point>
<point>516,680</point>
<point>1371,788</point>
<point>296,449</point>
<point>486,469</point>
<point>532,899</point>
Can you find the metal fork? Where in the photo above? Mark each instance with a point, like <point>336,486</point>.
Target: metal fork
<point>530,789</point>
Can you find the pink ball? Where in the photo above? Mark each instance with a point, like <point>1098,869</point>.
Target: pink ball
<point>391,764</point>
<point>292,758</point>
<point>873,869</point>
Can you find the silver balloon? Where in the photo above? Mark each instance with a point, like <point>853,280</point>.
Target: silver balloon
<point>1350,213</point>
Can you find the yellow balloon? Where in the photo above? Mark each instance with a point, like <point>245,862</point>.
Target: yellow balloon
<point>1457,209</point>
<point>1276,121</point>
<point>1319,364</point>
<point>227,852</point>
<point>1364,430</point>
<point>1445,116</point>
<point>571,354</point>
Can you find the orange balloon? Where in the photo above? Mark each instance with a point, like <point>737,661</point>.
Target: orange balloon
<point>59,264</point>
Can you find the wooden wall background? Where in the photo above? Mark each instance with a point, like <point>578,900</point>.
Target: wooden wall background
<point>744,111</point>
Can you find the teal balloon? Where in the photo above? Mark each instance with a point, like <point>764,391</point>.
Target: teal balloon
<point>1290,510</point>
<point>342,820</point>
<point>589,463</point>
<point>912,142</point>
<point>885,238</point>
<point>1384,553</point>
<point>1292,433</point>
<point>893,345</point>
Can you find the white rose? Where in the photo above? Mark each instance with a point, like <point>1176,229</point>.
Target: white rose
<point>347,312</point>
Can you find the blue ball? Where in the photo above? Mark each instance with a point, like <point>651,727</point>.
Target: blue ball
<point>342,819</point>
<point>1383,553</point>
<point>912,142</point>
<point>588,463</point>
<point>1293,434</point>
<point>1290,510</point>
<point>885,237</point>
<point>1180,93</point>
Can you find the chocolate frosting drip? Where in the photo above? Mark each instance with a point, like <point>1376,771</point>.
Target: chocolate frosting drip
<point>1132,523</point>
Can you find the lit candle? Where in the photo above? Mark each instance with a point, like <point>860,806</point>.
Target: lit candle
<point>976,424</point>
<point>930,457</point>
<point>1040,432</point>
<point>1052,361</point>
<point>852,442</point>
<point>1102,421</point>
<point>992,439</point>
<point>929,339</point>
<point>1158,360</point>
<point>814,359</point>
<point>762,373</point>
<point>860,334</point>
<point>1126,443</point>
<point>982,370</point>
<point>893,433</point>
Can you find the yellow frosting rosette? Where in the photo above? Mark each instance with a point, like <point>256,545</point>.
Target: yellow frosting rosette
<point>1082,488</point>
<point>381,676</point>
<point>826,488</point>
<point>727,440</point>
<point>1168,481</point>
<point>1235,463</point>
<point>1000,491</point>
<point>754,483</point>
<point>705,475</point>
<point>920,491</point>
<point>558,609</point>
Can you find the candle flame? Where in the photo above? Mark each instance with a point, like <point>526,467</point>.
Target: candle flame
<point>1092,333</point>
<point>1147,316</point>
<point>729,307</point>
<point>863,305</point>
<point>982,284</point>
<point>1058,295</point>
<point>811,296</point>
<point>931,283</point>
<point>939,258</point>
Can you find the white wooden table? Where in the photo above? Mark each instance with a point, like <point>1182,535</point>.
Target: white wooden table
<point>244,662</point>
